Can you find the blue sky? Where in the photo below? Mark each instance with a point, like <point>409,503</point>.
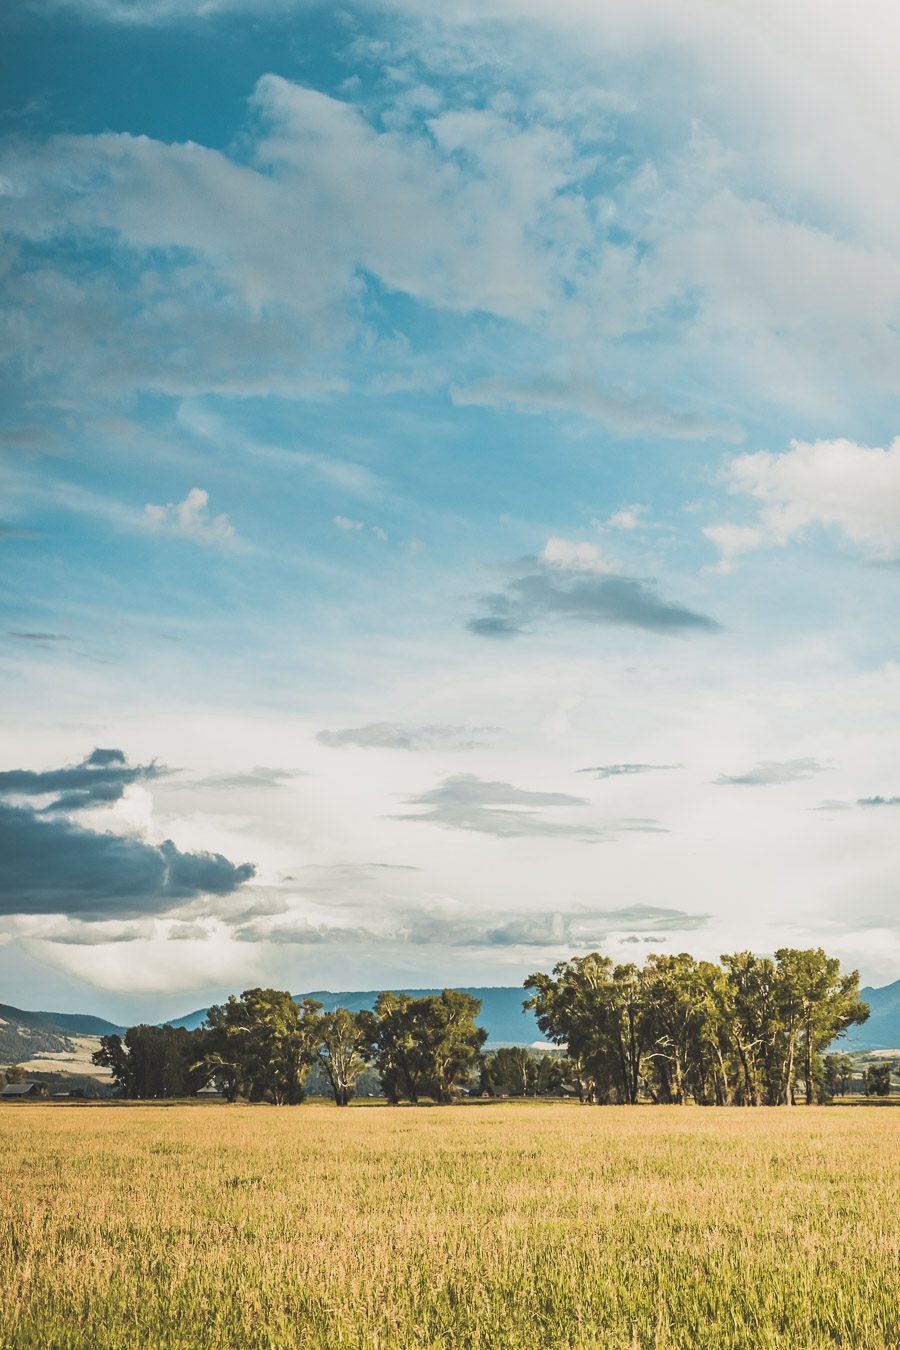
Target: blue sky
<point>406,413</point>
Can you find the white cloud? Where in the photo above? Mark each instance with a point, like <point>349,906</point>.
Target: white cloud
<point>628,518</point>
<point>575,556</point>
<point>852,488</point>
<point>191,520</point>
<point>348,526</point>
<point>732,541</point>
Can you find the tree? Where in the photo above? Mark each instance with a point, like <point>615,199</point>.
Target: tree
<point>511,1071</point>
<point>878,1080</point>
<point>345,1046</point>
<point>837,1074</point>
<point>597,1010</point>
<point>756,1027</point>
<point>262,1045</point>
<point>678,1012</point>
<point>514,1071</point>
<point>425,1046</point>
<point>112,1055</point>
<point>396,1048</point>
<point>818,1005</point>
<point>154,1061</point>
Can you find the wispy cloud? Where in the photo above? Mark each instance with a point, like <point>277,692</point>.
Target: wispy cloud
<point>446,927</point>
<point>625,770</point>
<point>466,802</point>
<point>579,394</point>
<point>774,771</point>
<point>408,736</point>
<point>581,590</point>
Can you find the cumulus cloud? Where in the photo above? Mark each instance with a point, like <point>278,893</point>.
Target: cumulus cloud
<point>51,864</point>
<point>624,770</point>
<point>403,736</point>
<point>575,585</point>
<point>191,519</point>
<point>853,489</point>
<point>878,801</point>
<point>574,555</point>
<point>732,541</point>
<point>774,771</point>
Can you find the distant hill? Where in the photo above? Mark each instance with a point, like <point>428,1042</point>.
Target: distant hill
<point>26,1034</point>
<point>502,1015</point>
<point>882,1031</point>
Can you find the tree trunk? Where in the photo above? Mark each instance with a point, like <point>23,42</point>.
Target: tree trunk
<point>789,1075</point>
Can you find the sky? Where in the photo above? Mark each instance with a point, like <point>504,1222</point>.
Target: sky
<point>449,491</point>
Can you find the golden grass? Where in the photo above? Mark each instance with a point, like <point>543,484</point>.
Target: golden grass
<point>495,1225</point>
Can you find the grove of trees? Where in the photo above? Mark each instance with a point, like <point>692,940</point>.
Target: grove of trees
<point>750,1031</point>
<point>677,1029</point>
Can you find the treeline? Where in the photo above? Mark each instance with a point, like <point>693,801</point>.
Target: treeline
<point>263,1046</point>
<point>750,1031</point>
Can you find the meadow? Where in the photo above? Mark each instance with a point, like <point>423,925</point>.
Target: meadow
<point>507,1224</point>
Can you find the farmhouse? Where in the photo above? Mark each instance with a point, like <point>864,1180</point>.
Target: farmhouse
<point>19,1090</point>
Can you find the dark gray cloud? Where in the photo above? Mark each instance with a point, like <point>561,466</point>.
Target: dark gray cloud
<point>545,593</point>
<point>878,801</point>
<point>98,933</point>
<point>581,930</point>
<point>773,771</point>
<point>49,864</point>
<point>99,779</point>
<point>466,802</point>
<point>40,639</point>
<point>402,736</point>
<point>625,770</point>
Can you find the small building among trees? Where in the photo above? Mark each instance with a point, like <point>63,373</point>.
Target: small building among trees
<point>16,1091</point>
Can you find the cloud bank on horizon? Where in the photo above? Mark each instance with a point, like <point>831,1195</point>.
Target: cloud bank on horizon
<point>405,408</point>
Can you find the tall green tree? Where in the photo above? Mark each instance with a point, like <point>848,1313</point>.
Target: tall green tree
<point>262,1045</point>
<point>154,1062</point>
<point>598,1011</point>
<point>818,1004</point>
<point>426,1046</point>
<point>396,1045</point>
<point>345,1047</point>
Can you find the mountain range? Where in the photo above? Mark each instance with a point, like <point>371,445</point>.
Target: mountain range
<point>502,1015</point>
<point>25,1034</point>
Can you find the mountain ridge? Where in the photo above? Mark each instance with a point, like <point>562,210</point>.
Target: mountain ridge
<point>23,1033</point>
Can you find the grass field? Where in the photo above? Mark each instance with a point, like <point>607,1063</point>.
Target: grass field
<point>480,1225</point>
